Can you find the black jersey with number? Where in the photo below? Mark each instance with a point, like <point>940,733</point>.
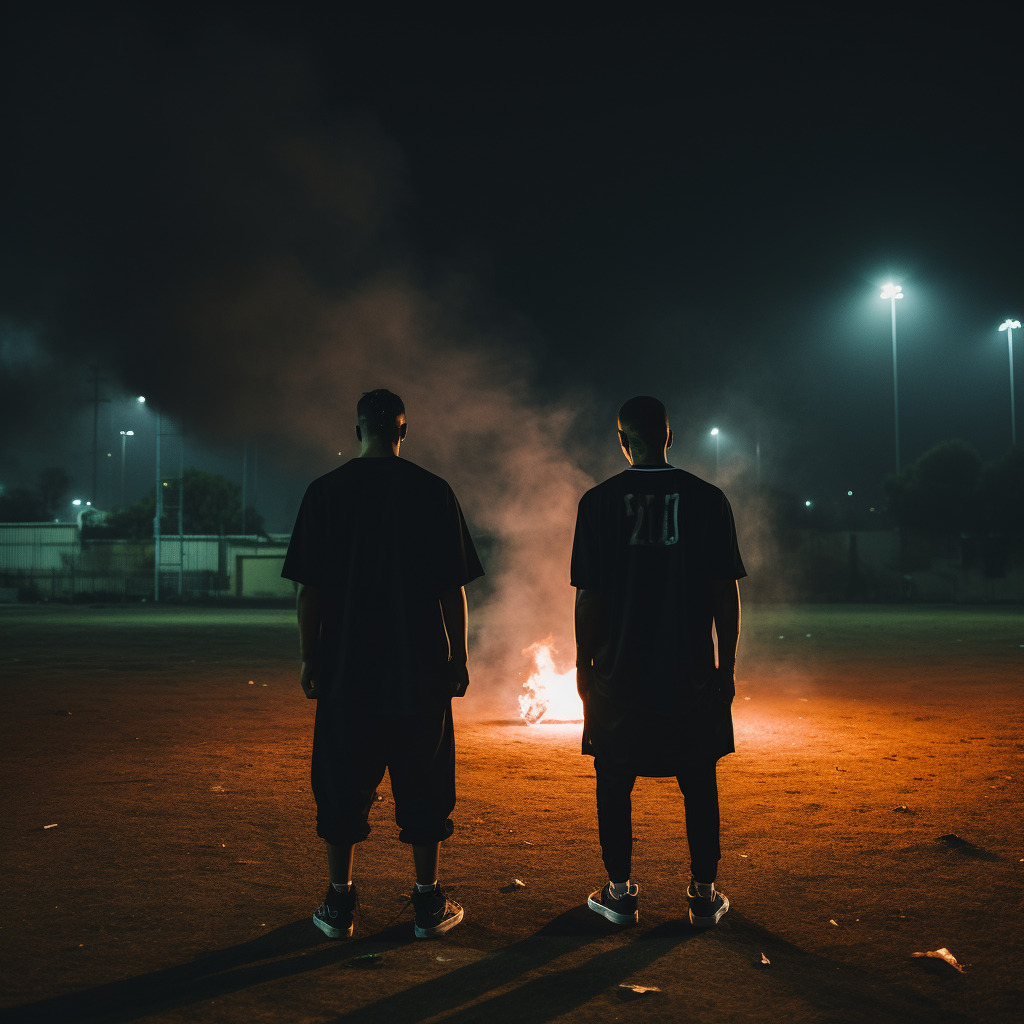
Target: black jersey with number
<point>382,538</point>
<point>652,541</point>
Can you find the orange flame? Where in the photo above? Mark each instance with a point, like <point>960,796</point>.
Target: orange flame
<point>550,695</point>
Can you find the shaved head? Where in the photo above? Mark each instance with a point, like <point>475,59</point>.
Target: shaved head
<point>644,420</point>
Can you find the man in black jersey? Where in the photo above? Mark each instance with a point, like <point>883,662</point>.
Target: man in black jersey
<point>381,553</point>
<point>655,564</point>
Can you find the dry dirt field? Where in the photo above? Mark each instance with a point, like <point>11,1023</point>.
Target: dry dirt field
<point>159,861</point>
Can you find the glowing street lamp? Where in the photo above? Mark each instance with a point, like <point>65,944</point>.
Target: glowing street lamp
<point>125,434</point>
<point>892,292</point>
<point>141,399</point>
<point>1010,326</point>
<point>718,439</point>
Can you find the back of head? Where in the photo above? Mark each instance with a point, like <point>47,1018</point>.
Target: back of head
<point>645,421</point>
<point>378,413</point>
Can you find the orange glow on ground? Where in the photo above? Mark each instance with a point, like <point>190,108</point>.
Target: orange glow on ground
<point>550,695</point>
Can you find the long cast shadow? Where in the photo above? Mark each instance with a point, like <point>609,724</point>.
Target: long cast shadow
<point>292,949</point>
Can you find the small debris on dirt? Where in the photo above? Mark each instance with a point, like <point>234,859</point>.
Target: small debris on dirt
<point>903,809</point>
<point>366,960</point>
<point>765,962</point>
<point>378,798</point>
<point>515,884</point>
<point>836,923</point>
<point>838,769</point>
<point>744,854</point>
<point>640,989</point>
<point>443,959</point>
<point>525,843</point>
<point>942,954</point>
<point>251,683</point>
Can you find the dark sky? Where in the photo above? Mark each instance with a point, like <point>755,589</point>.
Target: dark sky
<point>699,209</point>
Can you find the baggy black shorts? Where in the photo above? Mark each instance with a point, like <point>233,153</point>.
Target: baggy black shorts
<point>351,752</point>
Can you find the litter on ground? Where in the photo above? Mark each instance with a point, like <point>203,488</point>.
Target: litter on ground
<point>942,954</point>
<point>765,962</point>
<point>45,827</point>
<point>640,989</point>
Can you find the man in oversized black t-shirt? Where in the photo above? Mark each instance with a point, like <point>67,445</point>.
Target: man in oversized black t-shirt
<point>656,564</point>
<point>381,553</point>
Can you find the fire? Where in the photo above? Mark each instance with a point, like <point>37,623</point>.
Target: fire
<point>550,695</point>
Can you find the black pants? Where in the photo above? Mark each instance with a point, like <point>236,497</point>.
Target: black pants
<point>699,786</point>
<point>350,754</point>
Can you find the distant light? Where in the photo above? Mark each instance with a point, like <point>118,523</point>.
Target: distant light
<point>872,509</point>
<point>165,483</point>
<point>77,501</point>
<point>141,399</point>
<point>849,494</point>
<point>807,504</point>
<point>1010,325</point>
<point>892,291</point>
<point>714,432</point>
<point>130,433</point>
<point>109,454</point>
<point>88,503</point>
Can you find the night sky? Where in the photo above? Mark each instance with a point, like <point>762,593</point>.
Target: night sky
<point>704,210</point>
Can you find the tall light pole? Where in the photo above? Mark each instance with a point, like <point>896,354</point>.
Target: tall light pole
<point>718,438</point>
<point>1010,326</point>
<point>892,292</point>
<point>125,434</point>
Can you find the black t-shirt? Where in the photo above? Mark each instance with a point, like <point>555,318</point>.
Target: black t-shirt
<point>382,538</point>
<point>652,541</point>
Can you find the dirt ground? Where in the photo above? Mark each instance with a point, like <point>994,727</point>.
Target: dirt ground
<point>159,860</point>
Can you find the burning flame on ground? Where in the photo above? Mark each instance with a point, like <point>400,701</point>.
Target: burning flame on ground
<point>550,695</point>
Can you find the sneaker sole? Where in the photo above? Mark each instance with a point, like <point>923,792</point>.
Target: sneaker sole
<point>334,933</point>
<point>439,929</point>
<point>599,908</point>
<point>708,922</point>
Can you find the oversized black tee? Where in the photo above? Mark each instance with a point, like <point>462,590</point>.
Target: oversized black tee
<point>652,540</point>
<point>382,538</point>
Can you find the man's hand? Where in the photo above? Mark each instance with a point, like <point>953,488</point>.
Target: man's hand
<point>307,681</point>
<point>583,679</point>
<point>458,673</point>
<point>724,683</point>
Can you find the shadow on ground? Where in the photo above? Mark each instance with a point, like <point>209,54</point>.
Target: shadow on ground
<point>480,990</point>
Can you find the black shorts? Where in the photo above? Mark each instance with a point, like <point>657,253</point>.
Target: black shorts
<point>350,754</point>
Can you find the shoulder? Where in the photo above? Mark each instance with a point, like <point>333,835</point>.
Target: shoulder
<point>602,491</point>
<point>333,480</point>
<point>422,478</point>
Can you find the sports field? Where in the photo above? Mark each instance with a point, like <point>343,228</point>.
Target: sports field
<point>159,861</point>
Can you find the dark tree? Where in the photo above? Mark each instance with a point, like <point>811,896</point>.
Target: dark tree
<point>213,504</point>
<point>45,503</point>
<point>1002,494</point>
<point>938,494</point>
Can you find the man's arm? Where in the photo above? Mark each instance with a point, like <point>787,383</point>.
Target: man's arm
<point>309,606</point>
<point>725,602</point>
<point>456,624</point>
<point>588,625</point>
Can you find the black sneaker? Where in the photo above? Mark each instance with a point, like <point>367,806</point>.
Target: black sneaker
<point>618,909</point>
<point>434,913</point>
<point>706,911</point>
<point>334,917</point>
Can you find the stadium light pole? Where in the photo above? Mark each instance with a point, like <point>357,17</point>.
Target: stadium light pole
<point>892,292</point>
<point>125,434</point>
<point>716,434</point>
<point>1010,326</point>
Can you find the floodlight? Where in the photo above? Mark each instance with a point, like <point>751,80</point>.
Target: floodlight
<point>892,291</point>
<point>849,494</point>
<point>807,504</point>
<point>714,431</point>
<point>77,501</point>
<point>1010,325</point>
<point>141,399</point>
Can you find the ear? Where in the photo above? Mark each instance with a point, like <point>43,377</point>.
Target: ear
<point>671,438</point>
<point>402,431</point>
<point>359,434</point>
